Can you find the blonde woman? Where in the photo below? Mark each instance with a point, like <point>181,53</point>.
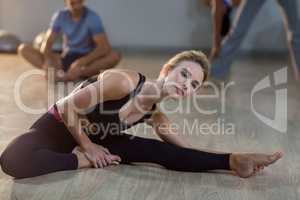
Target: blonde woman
<point>68,136</point>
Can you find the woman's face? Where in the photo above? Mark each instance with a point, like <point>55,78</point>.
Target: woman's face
<point>184,79</point>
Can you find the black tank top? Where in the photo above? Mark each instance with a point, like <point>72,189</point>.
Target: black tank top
<point>104,117</point>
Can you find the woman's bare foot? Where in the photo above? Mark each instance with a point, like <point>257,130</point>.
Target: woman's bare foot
<point>246,165</point>
<point>83,162</point>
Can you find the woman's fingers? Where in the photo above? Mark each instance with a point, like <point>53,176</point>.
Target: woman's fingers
<point>108,159</point>
<point>103,161</point>
<point>96,165</point>
<point>99,162</point>
<point>105,150</point>
<point>94,162</point>
<point>98,158</point>
<point>91,159</point>
<point>115,158</point>
<point>102,158</point>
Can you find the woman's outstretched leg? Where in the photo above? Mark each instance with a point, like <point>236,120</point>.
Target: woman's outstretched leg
<point>138,149</point>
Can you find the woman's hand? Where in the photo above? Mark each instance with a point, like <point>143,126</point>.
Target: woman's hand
<point>100,156</point>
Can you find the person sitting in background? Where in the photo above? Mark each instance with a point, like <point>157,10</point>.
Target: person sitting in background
<point>221,12</point>
<point>86,49</point>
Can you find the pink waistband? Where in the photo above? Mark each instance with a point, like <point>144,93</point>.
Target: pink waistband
<point>53,110</point>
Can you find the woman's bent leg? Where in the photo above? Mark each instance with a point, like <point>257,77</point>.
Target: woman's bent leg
<point>40,151</point>
<point>27,156</point>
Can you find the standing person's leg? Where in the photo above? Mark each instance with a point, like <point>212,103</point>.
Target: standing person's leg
<point>228,52</point>
<point>292,25</point>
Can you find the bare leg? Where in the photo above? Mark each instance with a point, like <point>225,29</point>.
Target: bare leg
<point>31,55</point>
<point>103,63</point>
<point>291,21</point>
<point>36,58</point>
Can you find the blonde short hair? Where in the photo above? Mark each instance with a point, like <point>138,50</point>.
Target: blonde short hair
<point>191,55</point>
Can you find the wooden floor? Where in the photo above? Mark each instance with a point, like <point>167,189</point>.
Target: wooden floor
<point>280,181</point>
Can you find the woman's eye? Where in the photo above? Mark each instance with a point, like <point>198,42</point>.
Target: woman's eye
<point>184,73</point>
<point>194,85</point>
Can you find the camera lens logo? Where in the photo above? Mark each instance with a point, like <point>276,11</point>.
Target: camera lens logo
<point>279,122</point>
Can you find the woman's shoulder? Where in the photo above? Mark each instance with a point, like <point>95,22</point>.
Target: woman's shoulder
<point>126,76</point>
<point>119,71</point>
<point>121,81</point>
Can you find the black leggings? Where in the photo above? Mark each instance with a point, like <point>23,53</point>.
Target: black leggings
<point>48,146</point>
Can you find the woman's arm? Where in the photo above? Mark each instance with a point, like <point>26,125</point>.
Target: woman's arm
<point>72,109</point>
<point>163,128</point>
<point>81,118</point>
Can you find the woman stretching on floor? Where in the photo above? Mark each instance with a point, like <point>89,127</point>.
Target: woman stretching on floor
<point>67,137</point>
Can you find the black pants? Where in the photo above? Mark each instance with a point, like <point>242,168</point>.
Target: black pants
<point>48,146</point>
<point>68,58</point>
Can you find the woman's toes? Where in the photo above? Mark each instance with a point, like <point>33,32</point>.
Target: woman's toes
<point>259,169</point>
<point>274,157</point>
